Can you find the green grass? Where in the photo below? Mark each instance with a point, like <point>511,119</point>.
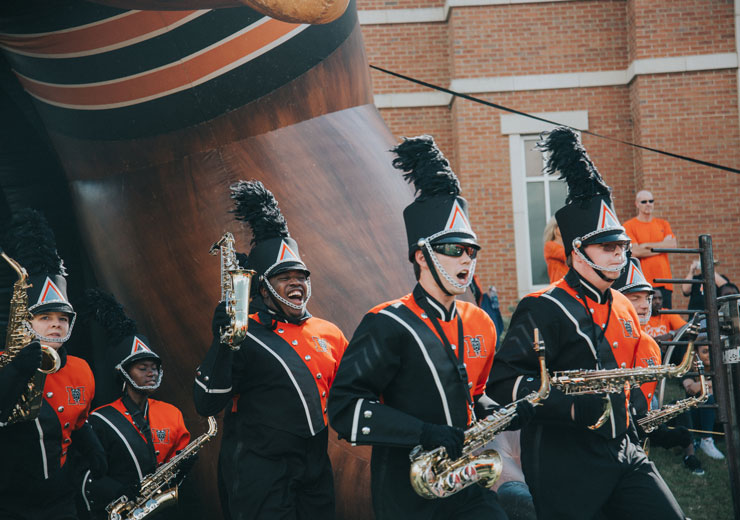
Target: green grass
<point>705,497</point>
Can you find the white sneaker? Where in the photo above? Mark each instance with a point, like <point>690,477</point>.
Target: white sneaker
<point>708,447</point>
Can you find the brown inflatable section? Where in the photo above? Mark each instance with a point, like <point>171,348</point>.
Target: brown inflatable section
<point>150,208</point>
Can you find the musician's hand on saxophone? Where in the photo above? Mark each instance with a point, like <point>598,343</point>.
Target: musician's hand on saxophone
<point>220,321</point>
<point>589,410</point>
<point>440,435</point>
<point>27,361</point>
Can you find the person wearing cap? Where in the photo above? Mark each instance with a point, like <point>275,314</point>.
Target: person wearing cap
<point>575,468</point>
<point>415,370</point>
<point>138,433</point>
<point>37,469</point>
<point>273,461</point>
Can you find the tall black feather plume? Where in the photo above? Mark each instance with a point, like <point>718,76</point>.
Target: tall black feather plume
<point>103,308</point>
<point>256,205</point>
<point>30,241</point>
<point>568,157</point>
<point>424,165</point>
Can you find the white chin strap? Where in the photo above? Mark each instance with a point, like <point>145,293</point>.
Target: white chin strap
<point>41,338</point>
<point>445,274</point>
<point>130,381</point>
<point>301,307</point>
<point>580,254</point>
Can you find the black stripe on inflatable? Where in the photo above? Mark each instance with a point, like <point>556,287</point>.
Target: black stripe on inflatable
<point>40,16</point>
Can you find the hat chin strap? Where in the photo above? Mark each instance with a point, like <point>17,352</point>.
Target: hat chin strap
<point>301,307</point>
<point>437,269</point>
<point>597,268</point>
<point>130,381</point>
<point>646,319</point>
<point>40,338</point>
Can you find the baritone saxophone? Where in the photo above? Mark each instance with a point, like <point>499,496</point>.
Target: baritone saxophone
<point>18,336</point>
<point>434,475</point>
<point>235,287</point>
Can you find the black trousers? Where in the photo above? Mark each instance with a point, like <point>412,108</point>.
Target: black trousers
<point>267,474</point>
<point>395,499</point>
<point>575,474</point>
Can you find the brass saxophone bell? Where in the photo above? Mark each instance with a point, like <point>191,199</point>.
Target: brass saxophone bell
<point>50,360</point>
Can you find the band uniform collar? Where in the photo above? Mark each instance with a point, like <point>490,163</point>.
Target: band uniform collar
<point>575,280</point>
<point>425,301</point>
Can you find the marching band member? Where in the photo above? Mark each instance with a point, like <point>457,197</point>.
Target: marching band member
<point>417,366</point>
<point>572,470</point>
<point>273,462</point>
<point>138,433</point>
<point>36,476</point>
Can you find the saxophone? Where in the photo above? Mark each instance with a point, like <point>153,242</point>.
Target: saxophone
<point>156,489</point>
<point>434,475</point>
<point>655,418</point>
<point>612,381</point>
<point>235,287</point>
<point>19,335</point>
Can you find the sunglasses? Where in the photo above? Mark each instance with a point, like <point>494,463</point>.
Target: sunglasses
<point>646,201</point>
<point>610,247</point>
<point>455,250</point>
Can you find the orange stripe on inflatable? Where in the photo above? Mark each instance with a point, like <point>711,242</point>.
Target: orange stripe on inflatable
<point>176,76</point>
<point>94,36</point>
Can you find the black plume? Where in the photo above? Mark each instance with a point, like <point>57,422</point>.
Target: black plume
<point>257,206</point>
<point>568,157</point>
<point>30,241</point>
<point>424,165</point>
<point>102,307</point>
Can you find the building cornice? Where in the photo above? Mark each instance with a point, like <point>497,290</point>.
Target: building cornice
<point>641,67</point>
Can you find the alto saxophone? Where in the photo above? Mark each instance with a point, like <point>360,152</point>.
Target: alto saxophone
<point>434,475</point>
<point>156,489</point>
<point>655,418</point>
<point>613,381</point>
<point>19,335</point>
<point>235,287</point>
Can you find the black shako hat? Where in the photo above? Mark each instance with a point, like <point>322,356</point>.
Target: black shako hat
<point>273,250</point>
<point>588,216</point>
<point>30,241</point>
<point>438,215</point>
<point>632,279</point>
<point>124,344</point>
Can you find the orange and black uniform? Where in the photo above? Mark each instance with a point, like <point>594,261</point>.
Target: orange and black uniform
<point>274,462</point>
<point>36,479</point>
<point>398,374</point>
<point>582,328</point>
<point>131,453</point>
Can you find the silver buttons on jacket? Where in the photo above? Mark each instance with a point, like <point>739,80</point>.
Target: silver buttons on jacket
<point>318,376</point>
<point>366,430</point>
<point>308,357</point>
<point>280,331</point>
<point>49,394</point>
<point>424,315</point>
<point>367,414</point>
<point>615,344</point>
<point>60,409</point>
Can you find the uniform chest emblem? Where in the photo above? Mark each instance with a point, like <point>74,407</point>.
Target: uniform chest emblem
<point>320,344</point>
<point>475,346</point>
<point>161,436</point>
<point>76,395</point>
<point>629,329</point>
<point>648,362</point>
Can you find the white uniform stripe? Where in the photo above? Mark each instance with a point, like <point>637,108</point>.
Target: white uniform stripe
<point>575,322</point>
<point>125,442</point>
<point>44,462</point>
<point>292,378</point>
<point>212,390</point>
<point>428,360</point>
<point>84,490</point>
<point>437,308</point>
<point>71,29</point>
<point>515,390</point>
<point>356,419</point>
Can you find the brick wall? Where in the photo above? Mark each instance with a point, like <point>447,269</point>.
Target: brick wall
<point>690,113</point>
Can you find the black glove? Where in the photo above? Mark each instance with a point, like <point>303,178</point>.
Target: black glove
<point>87,443</point>
<point>28,360</point>
<point>450,438</point>
<point>220,319</point>
<point>185,466</point>
<point>588,408</point>
<point>102,491</point>
<point>242,260</point>
<point>524,413</point>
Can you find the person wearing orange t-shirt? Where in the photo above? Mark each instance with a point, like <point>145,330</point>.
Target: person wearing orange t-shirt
<point>662,327</point>
<point>554,251</point>
<point>646,233</point>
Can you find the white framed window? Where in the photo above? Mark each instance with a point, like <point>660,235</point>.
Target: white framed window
<point>536,197</point>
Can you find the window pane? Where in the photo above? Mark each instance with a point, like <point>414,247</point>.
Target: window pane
<point>558,192</point>
<point>532,159</point>
<point>536,213</point>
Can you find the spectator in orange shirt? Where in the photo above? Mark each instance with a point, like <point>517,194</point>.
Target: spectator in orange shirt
<point>647,232</point>
<point>554,251</point>
<point>662,327</point>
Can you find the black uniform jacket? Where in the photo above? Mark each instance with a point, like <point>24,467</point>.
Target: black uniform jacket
<point>278,378</point>
<point>570,315</point>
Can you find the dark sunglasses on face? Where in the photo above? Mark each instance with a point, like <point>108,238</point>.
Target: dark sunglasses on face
<point>647,200</point>
<point>610,247</point>
<point>455,250</point>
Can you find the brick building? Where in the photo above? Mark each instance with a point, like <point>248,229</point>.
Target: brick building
<point>660,73</point>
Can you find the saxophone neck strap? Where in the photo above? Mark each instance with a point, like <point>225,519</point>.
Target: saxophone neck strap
<point>141,422</point>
